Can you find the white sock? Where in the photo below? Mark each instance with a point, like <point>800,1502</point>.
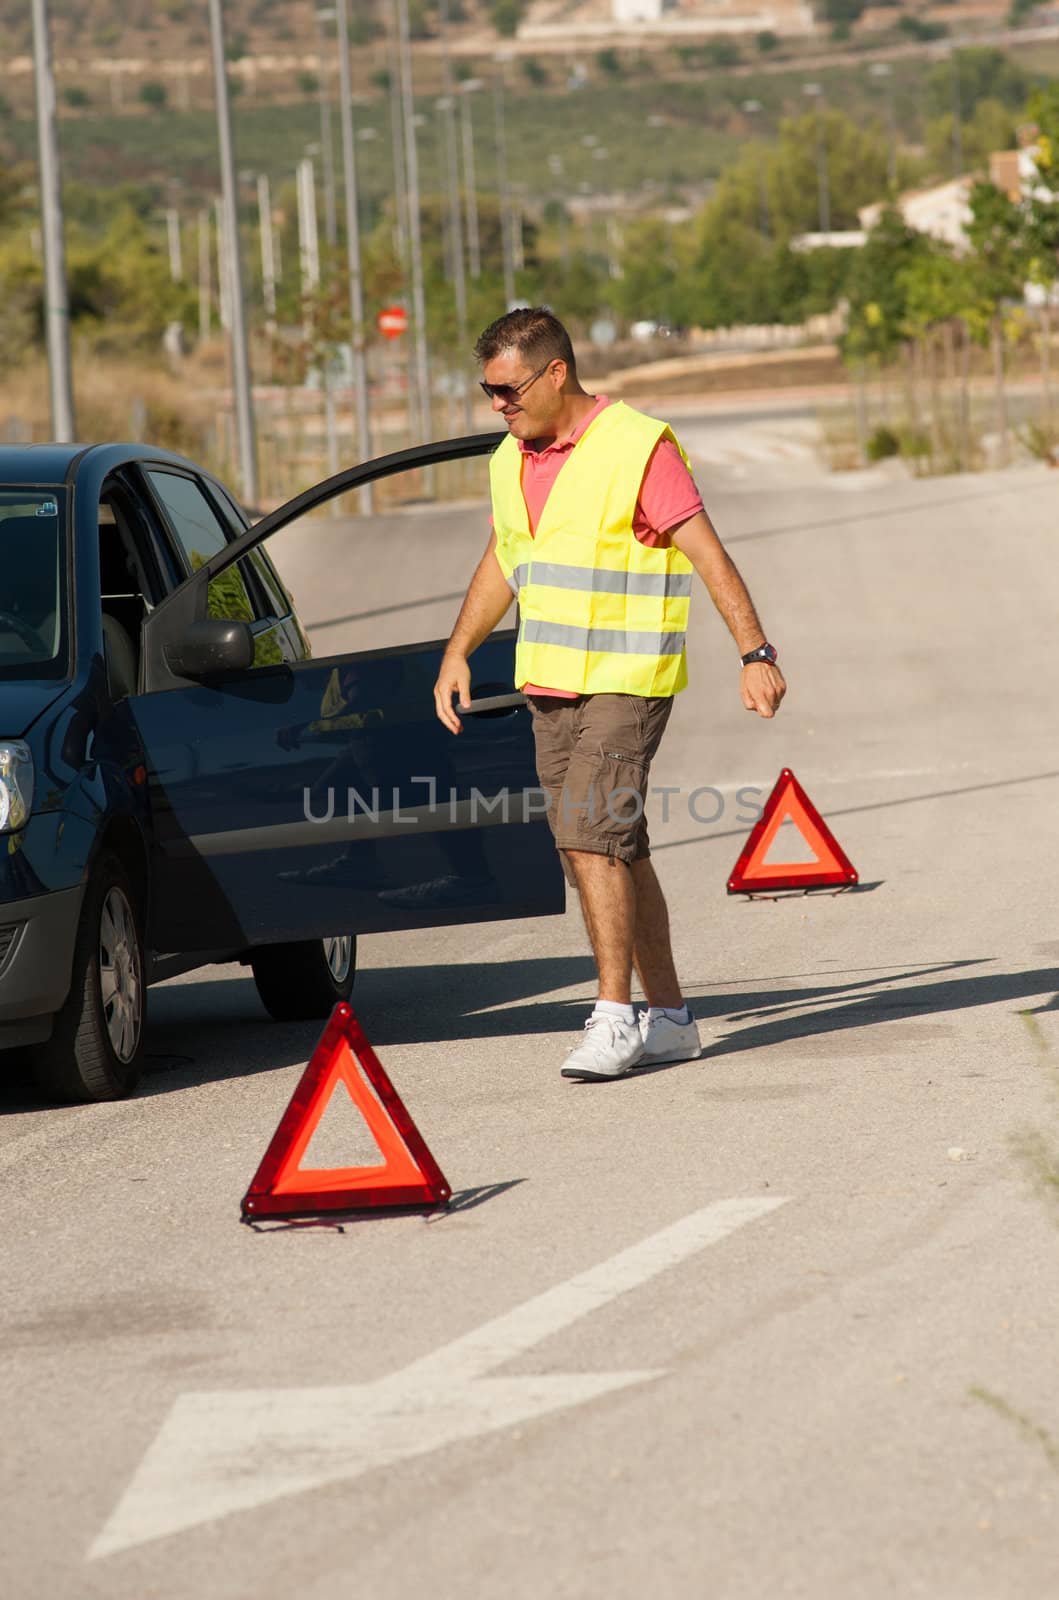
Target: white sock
<point>678,1014</point>
<point>614,1008</point>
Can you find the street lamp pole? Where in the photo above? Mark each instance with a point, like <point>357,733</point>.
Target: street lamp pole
<point>822,177</point>
<point>506,230</point>
<point>752,107</point>
<point>356,279</point>
<point>268,250</point>
<point>415,236</point>
<point>244,403</point>
<point>56,303</point>
<point>957,115</point>
<point>883,72</point>
<point>327,152</point>
<point>470,180</point>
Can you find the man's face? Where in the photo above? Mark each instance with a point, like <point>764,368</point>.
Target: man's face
<point>533,413</point>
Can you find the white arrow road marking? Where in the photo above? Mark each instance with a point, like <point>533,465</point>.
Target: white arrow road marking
<point>232,1450</point>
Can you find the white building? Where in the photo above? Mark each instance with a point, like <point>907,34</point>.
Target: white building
<point>943,212</point>
<point>637,10</point>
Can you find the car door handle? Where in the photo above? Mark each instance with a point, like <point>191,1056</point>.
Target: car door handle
<point>494,703</point>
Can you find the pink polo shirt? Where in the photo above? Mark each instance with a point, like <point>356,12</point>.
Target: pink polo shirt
<point>667,498</point>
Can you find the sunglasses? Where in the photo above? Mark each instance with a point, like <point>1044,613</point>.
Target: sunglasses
<point>509,392</point>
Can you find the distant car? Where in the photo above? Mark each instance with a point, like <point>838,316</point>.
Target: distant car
<point>181,783</point>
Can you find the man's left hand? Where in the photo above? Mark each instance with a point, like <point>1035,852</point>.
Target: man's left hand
<point>762,686</point>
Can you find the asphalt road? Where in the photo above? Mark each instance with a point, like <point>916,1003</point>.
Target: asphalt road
<point>781,1322</point>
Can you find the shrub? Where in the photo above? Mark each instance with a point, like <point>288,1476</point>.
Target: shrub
<point>535,71</point>
<point>767,41</point>
<point>916,28</point>
<point>308,82</point>
<point>882,443</point>
<point>76,97</point>
<point>609,61</point>
<point>153,94</point>
<point>913,443</point>
<point>722,53</point>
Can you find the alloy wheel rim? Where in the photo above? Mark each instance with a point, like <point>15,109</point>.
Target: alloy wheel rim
<point>120,983</point>
<point>338,954</point>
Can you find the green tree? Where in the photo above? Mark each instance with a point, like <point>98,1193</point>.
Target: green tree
<point>877,289</point>
<point>984,74</point>
<point>992,127</point>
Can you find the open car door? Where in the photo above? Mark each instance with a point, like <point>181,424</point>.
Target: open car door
<point>301,798</point>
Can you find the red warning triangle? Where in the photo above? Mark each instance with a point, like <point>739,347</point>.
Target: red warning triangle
<point>789,802</point>
<point>408,1174</point>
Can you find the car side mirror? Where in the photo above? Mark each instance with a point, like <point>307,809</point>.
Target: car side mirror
<point>211,646</point>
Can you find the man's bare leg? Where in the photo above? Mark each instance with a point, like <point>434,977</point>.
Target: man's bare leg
<point>652,950</point>
<point>608,904</point>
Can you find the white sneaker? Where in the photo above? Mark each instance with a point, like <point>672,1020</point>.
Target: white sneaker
<point>666,1040</point>
<point>609,1048</point>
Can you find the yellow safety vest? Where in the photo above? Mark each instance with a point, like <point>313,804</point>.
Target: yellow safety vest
<point>599,612</point>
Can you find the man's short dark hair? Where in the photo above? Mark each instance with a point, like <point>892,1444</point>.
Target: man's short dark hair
<point>534,332</point>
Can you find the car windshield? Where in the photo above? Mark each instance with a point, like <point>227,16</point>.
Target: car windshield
<point>32,582</point>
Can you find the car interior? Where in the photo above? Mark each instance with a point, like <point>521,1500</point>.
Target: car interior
<point>124,598</point>
<point>29,617</point>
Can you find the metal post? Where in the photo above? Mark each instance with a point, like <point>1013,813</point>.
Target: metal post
<point>752,107</point>
<point>172,226</point>
<point>419,310</point>
<point>205,290</point>
<point>268,253</point>
<point>822,176</point>
<point>470,180</point>
<point>356,280</point>
<point>507,242</point>
<point>223,281</point>
<point>447,107</point>
<point>882,71</point>
<point>400,198</point>
<point>957,115</point>
<point>308,237</point>
<point>244,401</point>
<point>56,304</point>
<point>327,149</point>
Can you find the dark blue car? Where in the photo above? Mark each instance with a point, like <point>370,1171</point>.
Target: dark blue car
<point>182,783</point>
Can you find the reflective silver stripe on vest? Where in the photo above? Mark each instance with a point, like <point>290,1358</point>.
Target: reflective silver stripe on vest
<point>598,580</point>
<point>614,641</point>
<point>518,577</point>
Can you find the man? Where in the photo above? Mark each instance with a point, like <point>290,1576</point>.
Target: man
<point>597,526</point>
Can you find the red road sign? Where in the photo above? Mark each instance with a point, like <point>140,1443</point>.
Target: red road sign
<point>830,865</point>
<point>392,321</point>
<point>407,1174</point>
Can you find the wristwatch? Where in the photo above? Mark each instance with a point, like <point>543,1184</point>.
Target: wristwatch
<point>764,652</point>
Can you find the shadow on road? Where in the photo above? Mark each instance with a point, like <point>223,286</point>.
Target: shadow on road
<point>207,1032</point>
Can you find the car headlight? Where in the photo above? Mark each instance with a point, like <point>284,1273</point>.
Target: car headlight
<point>16,785</point>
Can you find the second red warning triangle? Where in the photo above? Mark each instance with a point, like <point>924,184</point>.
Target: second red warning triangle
<point>789,802</point>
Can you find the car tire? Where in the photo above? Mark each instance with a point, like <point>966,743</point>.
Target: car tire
<point>96,1048</point>
<point>304,982</point>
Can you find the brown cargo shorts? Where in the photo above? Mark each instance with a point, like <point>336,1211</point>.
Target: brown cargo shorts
<point>594,755</point>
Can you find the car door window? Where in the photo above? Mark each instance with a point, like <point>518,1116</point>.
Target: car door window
<point>236,593</point>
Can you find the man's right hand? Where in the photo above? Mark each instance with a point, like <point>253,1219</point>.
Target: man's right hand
<point>453,679</point>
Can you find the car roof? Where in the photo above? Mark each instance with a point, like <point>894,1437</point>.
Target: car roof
<point>52,463</point>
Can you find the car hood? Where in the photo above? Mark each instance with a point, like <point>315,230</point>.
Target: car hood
<point>22,700</point>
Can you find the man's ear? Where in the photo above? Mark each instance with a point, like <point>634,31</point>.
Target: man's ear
<point>560,370</point>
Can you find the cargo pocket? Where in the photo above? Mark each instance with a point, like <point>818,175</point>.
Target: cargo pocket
<point>615,800</point>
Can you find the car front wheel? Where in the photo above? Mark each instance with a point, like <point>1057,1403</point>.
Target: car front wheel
<point>96,1048</point>
<point>305,981</point>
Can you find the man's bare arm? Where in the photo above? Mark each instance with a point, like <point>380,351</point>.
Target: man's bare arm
<point>762,685</point>
<point>488,597</point>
